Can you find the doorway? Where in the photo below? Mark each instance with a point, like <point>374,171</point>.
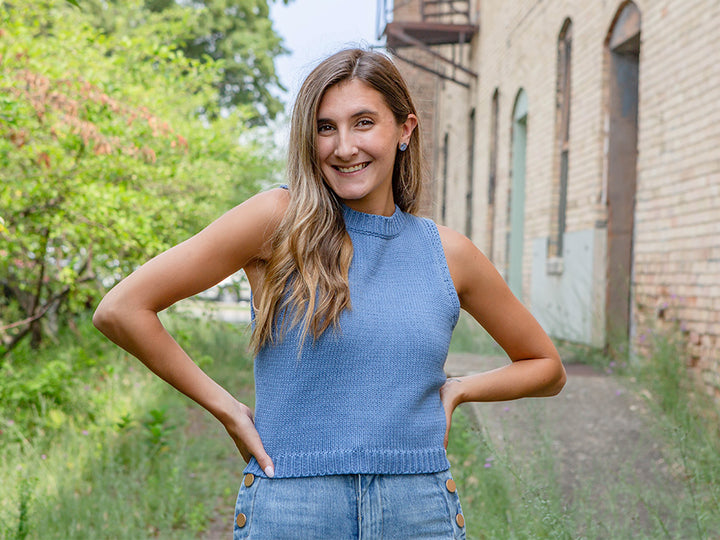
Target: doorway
<point>516,199</point>
<point>623,53</point>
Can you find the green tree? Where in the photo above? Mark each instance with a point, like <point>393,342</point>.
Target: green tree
<point>104,160</point>
<point>237,35</point>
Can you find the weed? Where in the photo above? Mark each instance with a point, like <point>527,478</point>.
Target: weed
<point>158,429</point>
<point>24,499</point>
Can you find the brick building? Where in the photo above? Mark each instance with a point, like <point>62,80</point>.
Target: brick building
<point>578,144</point>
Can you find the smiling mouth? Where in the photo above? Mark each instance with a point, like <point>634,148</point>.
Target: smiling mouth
<point>352,169</point>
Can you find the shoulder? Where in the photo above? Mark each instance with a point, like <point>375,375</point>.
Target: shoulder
<point>261,213</point>
<point>269,206</point>
<point>468,266</point>
<point>245,230</point>
<point>457,246</point>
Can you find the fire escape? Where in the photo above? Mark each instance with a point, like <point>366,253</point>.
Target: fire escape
<point>425,25</point>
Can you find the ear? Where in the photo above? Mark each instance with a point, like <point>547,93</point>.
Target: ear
<point>407,127</point>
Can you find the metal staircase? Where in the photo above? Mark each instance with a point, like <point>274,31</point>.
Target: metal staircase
<point>427,25</point>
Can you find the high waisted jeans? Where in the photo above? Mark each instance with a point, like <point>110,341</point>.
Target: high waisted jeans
<point>344,507</point>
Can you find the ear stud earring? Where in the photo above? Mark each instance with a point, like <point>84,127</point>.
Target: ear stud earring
<point>403,147</point>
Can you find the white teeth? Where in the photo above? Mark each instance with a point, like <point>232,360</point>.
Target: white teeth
<point>352,169</point>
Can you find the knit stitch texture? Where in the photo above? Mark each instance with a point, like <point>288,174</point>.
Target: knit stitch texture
<point>364,399</point>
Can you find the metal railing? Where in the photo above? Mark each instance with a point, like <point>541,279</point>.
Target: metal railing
<point>442,11</point>
<point>445,10</point>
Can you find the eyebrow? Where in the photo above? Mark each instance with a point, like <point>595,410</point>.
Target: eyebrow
<point>363,112</point>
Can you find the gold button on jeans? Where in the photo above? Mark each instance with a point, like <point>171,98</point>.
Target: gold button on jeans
<point>241,520</point>
<point>249,479</point>
<point>460,520</point>
<point>450,485</point>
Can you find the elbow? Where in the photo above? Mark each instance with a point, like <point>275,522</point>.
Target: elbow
<point>551,379</point>
<point>101,318</point>
<point>105,317</point>
<point>558,381</point>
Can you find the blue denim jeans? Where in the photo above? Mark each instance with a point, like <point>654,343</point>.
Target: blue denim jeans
<point>344,507</point>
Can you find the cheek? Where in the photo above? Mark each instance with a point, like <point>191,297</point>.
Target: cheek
<point>323,149</point>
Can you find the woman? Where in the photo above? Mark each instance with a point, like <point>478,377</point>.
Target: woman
<point>356,301</point>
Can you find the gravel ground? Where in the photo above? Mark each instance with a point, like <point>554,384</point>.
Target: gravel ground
<point>599,431</point>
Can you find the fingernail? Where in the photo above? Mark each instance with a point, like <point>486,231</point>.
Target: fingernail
<point>270,471</point>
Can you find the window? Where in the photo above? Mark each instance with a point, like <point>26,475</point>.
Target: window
<point>562,129</point>
<point>492,173</point>
<point>470,173</point>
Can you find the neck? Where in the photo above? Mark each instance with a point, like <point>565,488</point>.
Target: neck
<point>381,206</point>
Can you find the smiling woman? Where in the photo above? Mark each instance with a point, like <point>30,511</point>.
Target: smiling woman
<point>359,138</point>
<point>358,298</point>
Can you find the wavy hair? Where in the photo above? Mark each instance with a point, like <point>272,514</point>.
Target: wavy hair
<point>306,277</point>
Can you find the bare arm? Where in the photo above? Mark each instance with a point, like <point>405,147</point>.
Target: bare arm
<point>535,370</point>
<point>128,313</point>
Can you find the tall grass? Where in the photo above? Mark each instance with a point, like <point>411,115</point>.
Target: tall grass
<point>103,449</point>
<point>503,496</point>
<point>690,420</point>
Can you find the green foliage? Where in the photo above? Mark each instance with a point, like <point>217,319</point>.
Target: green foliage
<point>236,35</point>
<point>105,159</point>
<point>130,449</point>
<point>158,429</point>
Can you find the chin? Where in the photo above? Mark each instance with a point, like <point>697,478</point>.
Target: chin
<point>350,193</point>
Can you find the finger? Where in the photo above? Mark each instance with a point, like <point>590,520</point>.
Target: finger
<point>244,453</point>
<point>256,449</point>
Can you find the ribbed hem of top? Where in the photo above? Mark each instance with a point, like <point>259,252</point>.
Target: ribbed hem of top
<point>355,462</point>
<point>374,224</point>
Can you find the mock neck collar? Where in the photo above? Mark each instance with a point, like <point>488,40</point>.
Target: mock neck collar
<point>375,224</point>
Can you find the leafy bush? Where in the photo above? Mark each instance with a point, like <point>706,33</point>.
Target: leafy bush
<point>106,155</point>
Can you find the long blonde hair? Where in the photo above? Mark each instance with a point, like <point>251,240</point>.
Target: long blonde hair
<point>306,277</point>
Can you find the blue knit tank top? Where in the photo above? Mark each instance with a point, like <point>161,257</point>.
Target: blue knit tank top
<point>364,398</point>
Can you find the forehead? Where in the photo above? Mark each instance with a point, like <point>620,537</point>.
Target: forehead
<point>349,97</point>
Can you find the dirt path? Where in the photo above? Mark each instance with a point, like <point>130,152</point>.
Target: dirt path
<point>598,430</point>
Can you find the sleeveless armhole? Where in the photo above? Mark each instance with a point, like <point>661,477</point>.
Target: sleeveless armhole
<point>443,268</point>
<point>253,309</point>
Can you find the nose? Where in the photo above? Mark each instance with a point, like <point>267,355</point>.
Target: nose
<point>345,146</point>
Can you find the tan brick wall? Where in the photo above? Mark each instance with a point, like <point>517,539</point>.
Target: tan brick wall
<point>677,233</point>
<point>677,214</point>
<point>424,89</point>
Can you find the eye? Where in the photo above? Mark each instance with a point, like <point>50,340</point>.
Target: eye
<point>365,122</point>
<point>324,128</point>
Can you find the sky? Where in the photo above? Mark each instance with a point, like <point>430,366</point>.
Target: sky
<point>314,29</point>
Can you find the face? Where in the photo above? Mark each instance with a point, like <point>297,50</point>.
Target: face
<point>357,139</point>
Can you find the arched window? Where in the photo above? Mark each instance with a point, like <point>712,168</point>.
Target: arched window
<point>516,195</point>
<point>492,173</point>
<point>470,174</point>
<point>562,130</point>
